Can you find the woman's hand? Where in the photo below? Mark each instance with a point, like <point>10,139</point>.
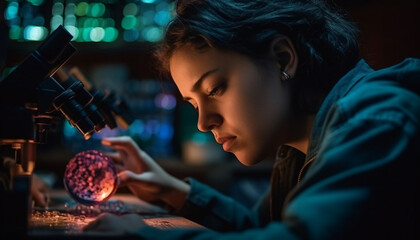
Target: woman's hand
<point>143,176</point>
<point>111,223</point>
<point>40,191</point>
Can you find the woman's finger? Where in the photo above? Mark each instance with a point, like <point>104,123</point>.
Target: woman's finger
<point>115,156</point>
<point>99,224</point>
<point>117,141</point>
<point>119,167</point>
<point>40,199</point>
<point>123,143</point>
<point>125,177</point>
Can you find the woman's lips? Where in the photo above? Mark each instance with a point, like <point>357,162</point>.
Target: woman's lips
<point>227,142</point>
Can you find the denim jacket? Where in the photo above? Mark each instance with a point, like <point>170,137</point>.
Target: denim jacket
<point>359,179</point>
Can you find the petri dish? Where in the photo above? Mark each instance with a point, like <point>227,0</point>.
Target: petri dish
<point>91,177</point>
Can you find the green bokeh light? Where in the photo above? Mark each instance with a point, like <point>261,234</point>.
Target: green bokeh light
<point>36,2</point>
<point>70,20</point>
<point>70,9</point>
<point>11,11</point>
<point>130,9</point>
<point>111,34</point>
<point>56,20</point>
<point>129,22</point>
<point>57,9</point>
<point>35,33</point>
<point>86,34</point>
<point>148,1</point>
<point>73,31</point>
<point>152,34</point>
<point>96,9</point>
<point>14,32</point>
<point>97,34</point>
<point>89,21</point>
<point>82,8</point>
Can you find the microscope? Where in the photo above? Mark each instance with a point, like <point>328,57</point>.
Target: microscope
<point>31,104</point>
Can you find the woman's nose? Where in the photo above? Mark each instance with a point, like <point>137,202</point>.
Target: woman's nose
<point>208,119</point>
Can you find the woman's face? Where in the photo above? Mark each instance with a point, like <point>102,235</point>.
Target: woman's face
<point>245,105</point>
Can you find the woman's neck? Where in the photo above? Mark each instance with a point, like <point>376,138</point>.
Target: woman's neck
<point>302,142</point>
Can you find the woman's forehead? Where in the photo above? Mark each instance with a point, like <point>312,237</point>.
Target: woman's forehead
<point>189,62</point>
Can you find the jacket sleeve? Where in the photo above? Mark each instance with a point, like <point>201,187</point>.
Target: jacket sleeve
<point>214,210</point>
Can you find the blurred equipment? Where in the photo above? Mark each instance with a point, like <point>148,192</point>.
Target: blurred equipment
<point>29,98</point>
<point>31,103</point>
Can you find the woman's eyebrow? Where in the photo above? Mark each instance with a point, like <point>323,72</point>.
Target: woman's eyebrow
<point>199,82</point>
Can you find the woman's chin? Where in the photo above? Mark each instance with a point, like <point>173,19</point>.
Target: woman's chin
<point>245,160</point>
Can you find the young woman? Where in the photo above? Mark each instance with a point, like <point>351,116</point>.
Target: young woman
<point>283,79</point>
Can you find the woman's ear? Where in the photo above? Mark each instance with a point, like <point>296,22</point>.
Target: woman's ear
<point>284,53</point>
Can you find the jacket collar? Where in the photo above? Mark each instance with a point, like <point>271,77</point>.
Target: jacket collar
<point>341,88</point>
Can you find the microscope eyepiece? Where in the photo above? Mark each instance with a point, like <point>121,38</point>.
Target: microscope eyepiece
<point>55,45</point>
<point>86,100</point>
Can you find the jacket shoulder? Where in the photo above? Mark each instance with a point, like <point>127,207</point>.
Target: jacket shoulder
<point>389,94</point>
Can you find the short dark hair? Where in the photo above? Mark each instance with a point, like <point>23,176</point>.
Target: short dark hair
<point>325,41</point>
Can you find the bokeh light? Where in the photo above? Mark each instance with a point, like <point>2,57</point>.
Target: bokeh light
<point>11,11</point>
<point>128,21</point>
<point>36,2</point>
<point>57,9</point>
<point>82,8</point>
<point>35,33</point>
<point>130,9</point>
<point>111,34</point>
<point>14,32</point>
<point>97,34</point>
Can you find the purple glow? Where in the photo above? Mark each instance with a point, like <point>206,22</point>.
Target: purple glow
<point>90,177</point>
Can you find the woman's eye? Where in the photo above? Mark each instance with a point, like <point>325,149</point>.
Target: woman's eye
<point>217,90</point>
